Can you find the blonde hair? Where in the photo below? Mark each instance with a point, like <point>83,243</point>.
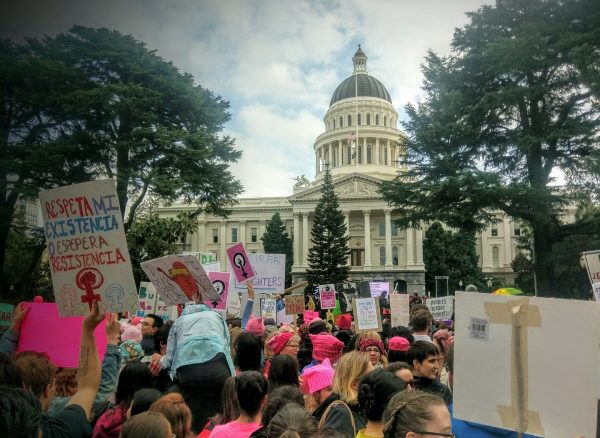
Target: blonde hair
<point>351,367</point>
<point>234,333</point>
<point>174,408</point>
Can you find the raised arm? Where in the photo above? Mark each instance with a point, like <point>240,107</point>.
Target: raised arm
<point>88,374</point>
<point>249,304</point>
<point>10,338</point>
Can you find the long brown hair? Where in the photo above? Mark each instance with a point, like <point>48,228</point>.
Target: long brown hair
<point>174,408</point>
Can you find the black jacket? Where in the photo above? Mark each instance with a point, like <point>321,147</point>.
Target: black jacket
<point>434,386</point>
<point>338,418</point>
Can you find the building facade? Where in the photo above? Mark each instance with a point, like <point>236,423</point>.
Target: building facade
<point>362,145</point>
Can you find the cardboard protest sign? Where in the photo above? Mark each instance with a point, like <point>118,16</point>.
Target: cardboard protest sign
<point>591,261</point>
<point>327,296</point>
<point>150,303</point>
<point>220,281</point>
<point>239,262</point>
<point>502,369</point>
<point>44,331</point>
<point>400,309</point>
<point>268,308</point>
<point>87,251</point>
<point>180,279</point>
<point>6,314</point>
<point>441,308</point>
<point>346,293</point>
<point>366,314</point>
<point>294,304</point>
<point>204,257</point>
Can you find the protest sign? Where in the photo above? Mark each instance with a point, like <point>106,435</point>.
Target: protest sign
<point>294,304</point>
<point>6,314</point>
<point>220,281</point>
<point>441,308</point>
<point>240,264</point>
<point>268,308</point>
<point>502,367</point>
<point>180,279</point>
<point>346,293</point>
<point>400,309</point>
<point>150,303</point>
<point>379,289</point>
<point>44,331</point>
<point>327,296</point>
<point>366,314</point>
<point>269,273</point>
<point>204,257</point>
<point>87,251</point>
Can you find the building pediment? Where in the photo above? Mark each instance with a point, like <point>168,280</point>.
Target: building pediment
<point>347,187</point>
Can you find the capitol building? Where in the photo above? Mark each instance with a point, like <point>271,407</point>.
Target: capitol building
<point>363,146</point>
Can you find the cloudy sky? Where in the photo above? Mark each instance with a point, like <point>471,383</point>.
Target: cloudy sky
<point>276,62</point>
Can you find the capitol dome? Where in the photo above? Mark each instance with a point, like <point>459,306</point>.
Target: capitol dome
<point>360,83</point>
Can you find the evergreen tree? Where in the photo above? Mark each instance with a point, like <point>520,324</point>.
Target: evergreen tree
<point>276,241</point>
<point>328,256</point>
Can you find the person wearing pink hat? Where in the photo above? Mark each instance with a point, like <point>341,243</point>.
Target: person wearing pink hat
<point>255,326</point>
<point>325,346</point>
<point>344,321</point>
<point>375,350</point>
<point>317,382</point>
<point>398,347</point>
<point>282,343</point>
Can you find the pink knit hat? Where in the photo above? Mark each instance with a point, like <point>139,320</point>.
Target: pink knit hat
<point>326,346</point>
<point>277,342</point>
<point>445,338</point>
<point>131,333</point>
<point>366,343</point>
<point>318,377</point>
<point>398,343</point>
<point>344,321</point>
<point>255,326</point>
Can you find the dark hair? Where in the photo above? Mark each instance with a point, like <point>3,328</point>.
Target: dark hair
<point>344,336</point>
<point>248,352</point>
<point>397,356</point>
<point>375,391</point>
<point>450,359</point>
<point>146,424</point>
<point>283,371</point>
<point>292,421</point>
<point>230,408</point>
<point>421,320</point>
<point>421,350</point>
<point>251,388</point>
<point>278,398</point>
<point>134,376</point>
<point>143,399</point>
<point>158,321</point>
<point>404,332</point>
<point>9,373</point>
<point>161,336</point>
<point>397,366</point>
<point>409,411</point>
<point>20,413</point>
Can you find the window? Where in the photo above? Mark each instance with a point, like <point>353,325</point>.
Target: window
<point>349,155</point>
<point>395,255</point>
<point>341,121</point>
<point>333,123</point>
<point>359,119</point>
<point>349,120</point>
<point>377,119</point>
<point>382,256</point>
<point>368,119</point>
<point>253,235</point>
<point>385,123</point>
<point>517,231</point>
<point>215,235</point>
<point>495,256</point>
<point>369,154</point>
<point>381,229</point>
<point>234,235</point>
<point>359,153</point>
<point>494,232</point>
<point>385,155</point>
<point>394,230</point>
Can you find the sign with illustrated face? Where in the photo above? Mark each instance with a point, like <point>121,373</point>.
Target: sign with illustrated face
<point>180,279</point>
<point>87,250</point>
<point>220,281</point>
<point>327,296</point>
<point>238,259</point>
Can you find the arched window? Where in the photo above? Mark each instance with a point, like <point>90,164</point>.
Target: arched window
<point>385,122</point>
<point>385,155</point>
<point>359,119</point>
<point>377,119</point>
<point>382,256</point>
<point>333,123</point>
<point>349,155</point>
<point>369,154</point>
<point>368,118</point>
<point>341,121</point>
<point>359,154</point>
<point>495,256</point>
<point>349,120</point>
<point>395,256</point>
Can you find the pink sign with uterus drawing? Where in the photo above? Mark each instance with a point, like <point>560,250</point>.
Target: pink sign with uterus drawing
<point>242,269</point>
<point>220,281</point>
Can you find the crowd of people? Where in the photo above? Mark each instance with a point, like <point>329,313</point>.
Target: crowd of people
<point>206,376</point>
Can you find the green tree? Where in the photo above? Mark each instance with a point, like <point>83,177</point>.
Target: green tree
<point>328,256</point>
<point>451,254</point>
<point>507,108</point>
<point>93,103</point>
<point>275,240</point>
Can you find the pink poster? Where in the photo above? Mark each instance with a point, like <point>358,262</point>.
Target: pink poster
<point>242,269</point>
<point>44,331</point>
<point>327,295</point>
<point>220,281</point>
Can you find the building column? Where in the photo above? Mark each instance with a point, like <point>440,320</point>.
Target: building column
<point>507,242</point>
<point>223,243</point>
<point>389,154</point>
<point>296,239</point>
<point>419,247</point>
<point>243,232</point>
<point>201,240</point>
<point>305,235</point>
<point>367,216</point>
<point>388,238</point>
<point>330,158</point>
<point>364,150</point>
<point>316,161</point>
<point>340,162</point>
<point>377,150</point>
<point>410,244</point>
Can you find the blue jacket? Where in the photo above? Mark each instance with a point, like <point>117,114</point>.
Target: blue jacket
<point>197,336</point>
<point>475,430</point>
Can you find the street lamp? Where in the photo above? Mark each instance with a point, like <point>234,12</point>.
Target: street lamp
<point>460,284</point>
<point>489,284</point>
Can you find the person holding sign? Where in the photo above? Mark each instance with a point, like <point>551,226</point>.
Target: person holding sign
<point>199,360</point>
